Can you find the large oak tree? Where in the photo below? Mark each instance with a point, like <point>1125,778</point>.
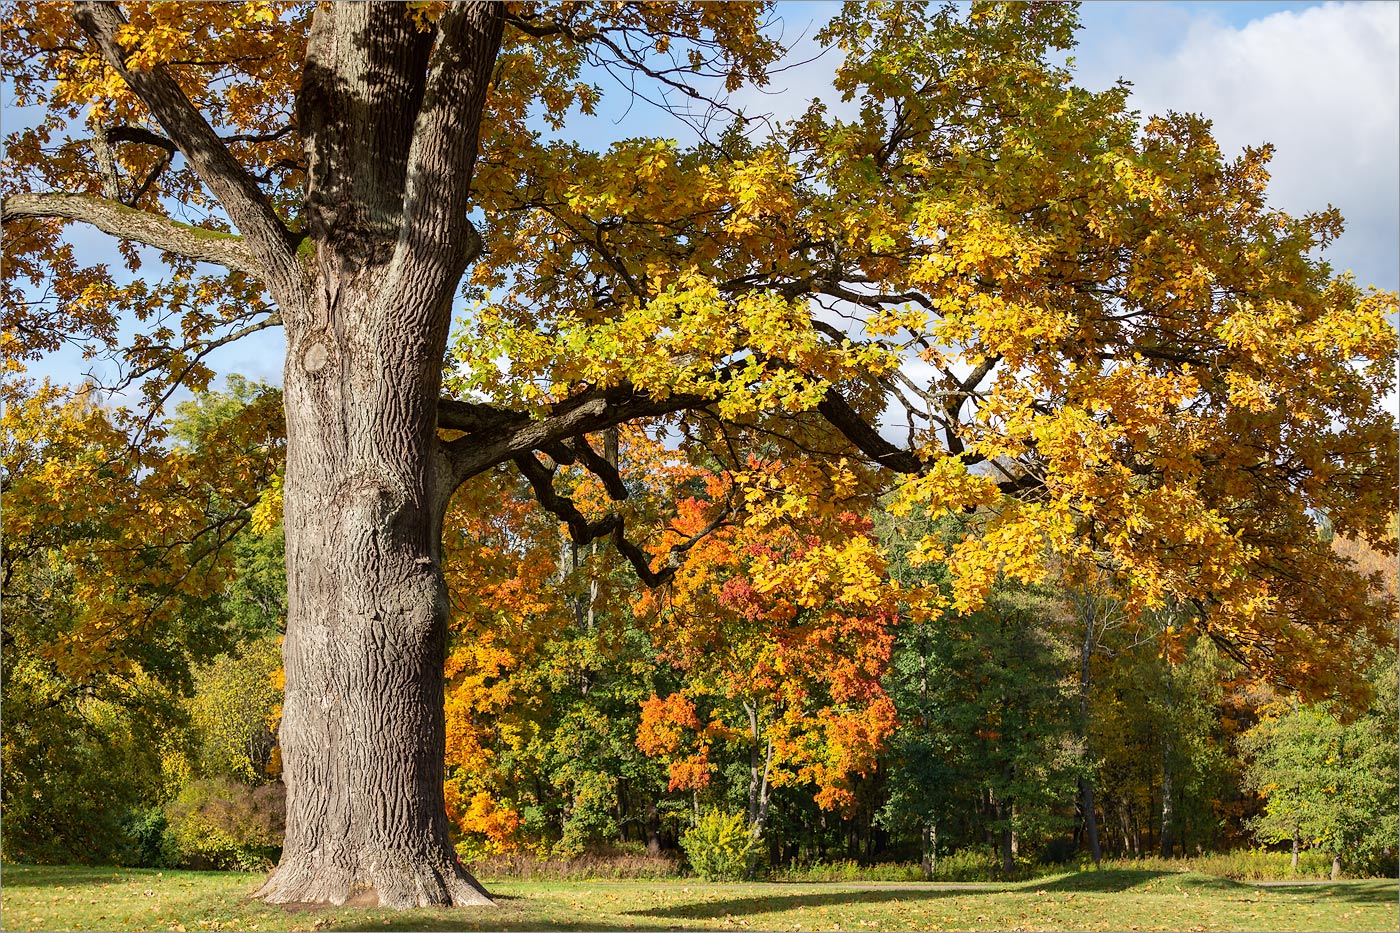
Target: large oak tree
<point>1097,333</point>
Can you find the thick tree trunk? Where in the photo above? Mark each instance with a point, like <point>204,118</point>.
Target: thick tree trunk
<point>362,725</point>
<point>1336,868</point>
<point>1297,842</point>
<point>388,115</point>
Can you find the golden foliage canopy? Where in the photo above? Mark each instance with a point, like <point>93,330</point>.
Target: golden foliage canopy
<point>1093,327</point>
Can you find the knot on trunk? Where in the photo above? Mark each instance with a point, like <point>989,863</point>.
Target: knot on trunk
<point>370,499</point>
<point>316,353</point>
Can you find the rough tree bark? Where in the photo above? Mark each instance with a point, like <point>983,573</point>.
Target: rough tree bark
<point>389,116</point>
<point>366,485</point>
<point>390,155</point>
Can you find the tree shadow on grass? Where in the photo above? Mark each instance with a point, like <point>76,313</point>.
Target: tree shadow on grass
<point>511,913</point>
<point>467,918</point>
<point>1116,880</point>
<point>740,906</point>
<point>446,921</point>
<point>45,876</point>
<point>1371,891</point>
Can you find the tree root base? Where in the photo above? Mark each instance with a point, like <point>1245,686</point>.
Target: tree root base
<point>295,883</point>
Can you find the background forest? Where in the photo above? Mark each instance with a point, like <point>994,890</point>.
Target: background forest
<point>790,683</point>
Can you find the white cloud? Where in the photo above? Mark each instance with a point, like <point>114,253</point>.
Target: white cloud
<point>1321,83</point>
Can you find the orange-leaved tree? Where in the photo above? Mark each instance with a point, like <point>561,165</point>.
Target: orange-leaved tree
<point>781,625</point>
<point>546,660</point>
<point>1123,339</point>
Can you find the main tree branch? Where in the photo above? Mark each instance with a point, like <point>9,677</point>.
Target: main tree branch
<point>268,240</point>
<point>581,530</point>
<point>495,435</point>
<point>114,217</point>
<point>835,409</point>
<point>442,155</point>
<point>600,467</point>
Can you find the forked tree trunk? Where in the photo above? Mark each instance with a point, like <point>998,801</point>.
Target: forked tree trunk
<point>363,278</point>
<point>363,272</point>
<point>389,115</point>
<point>760,790</point>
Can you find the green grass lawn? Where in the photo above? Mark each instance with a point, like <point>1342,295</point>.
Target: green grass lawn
<point>1116,899</point>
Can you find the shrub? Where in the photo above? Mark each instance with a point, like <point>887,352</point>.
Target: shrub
<point>720,846</point>
<point>74,767</point>
<point>487,826</point>
<point>149,842</point>
<point>976,864</point>
<point>234,710</point>
<point>221,824</point>
<point>1238,865</point>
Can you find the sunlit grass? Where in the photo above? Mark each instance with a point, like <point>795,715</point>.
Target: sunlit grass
<point>65,898</point>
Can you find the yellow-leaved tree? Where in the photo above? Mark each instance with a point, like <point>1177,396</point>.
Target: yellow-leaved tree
<point>1135,363</point>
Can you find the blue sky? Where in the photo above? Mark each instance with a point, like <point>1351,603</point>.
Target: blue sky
<point>1319,80</point>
